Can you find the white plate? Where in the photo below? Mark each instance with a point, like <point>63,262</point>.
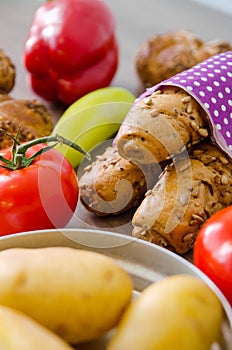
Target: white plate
<point>146,263</point>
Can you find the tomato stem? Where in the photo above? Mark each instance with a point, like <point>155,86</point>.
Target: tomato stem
<point>20,160</point>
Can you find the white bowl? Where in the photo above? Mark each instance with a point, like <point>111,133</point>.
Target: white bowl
<point>145,262</point>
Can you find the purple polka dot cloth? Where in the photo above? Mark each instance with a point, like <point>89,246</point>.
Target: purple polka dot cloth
<point>210,83</point>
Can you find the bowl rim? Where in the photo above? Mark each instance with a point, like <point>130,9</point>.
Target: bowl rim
<point>122,239</point>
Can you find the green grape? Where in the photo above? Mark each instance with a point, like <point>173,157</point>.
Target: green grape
<point>93,119</point>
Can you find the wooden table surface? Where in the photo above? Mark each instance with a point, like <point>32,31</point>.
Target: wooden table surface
<point>136,21</point>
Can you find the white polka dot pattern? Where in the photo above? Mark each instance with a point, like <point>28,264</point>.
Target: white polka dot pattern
<point>210,83</point>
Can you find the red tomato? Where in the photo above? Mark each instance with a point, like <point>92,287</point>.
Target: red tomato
<point>42,195</point>
<point>213,250</point>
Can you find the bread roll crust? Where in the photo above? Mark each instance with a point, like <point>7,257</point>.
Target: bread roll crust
<point>29,118</point>
<point>111,185</point>
<point>160,126</point>
<point>187,193</point>
<point>165,55</point>
<point>7,73</point>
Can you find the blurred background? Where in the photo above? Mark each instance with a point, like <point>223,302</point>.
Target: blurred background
<point>135,22</point>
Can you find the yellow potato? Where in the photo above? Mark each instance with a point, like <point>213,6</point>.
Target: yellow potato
<point>180,313</point>
<point>77,294</point>
<point>18,331</point>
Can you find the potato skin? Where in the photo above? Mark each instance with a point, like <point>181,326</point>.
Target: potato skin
<point>77,294</point>
<point>18,331</point>
<point>179,312</point>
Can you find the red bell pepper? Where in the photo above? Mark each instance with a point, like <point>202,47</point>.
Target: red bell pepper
<point>71,49</point>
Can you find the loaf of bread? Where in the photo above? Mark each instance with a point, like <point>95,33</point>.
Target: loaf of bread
<point>188,192</point>
<point>160,126</point>
<point>111,185</point>
<point>29,118</point>
<point>168,54</point>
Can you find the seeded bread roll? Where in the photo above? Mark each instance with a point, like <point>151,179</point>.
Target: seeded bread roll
<point>7,73</point>
<point>160,126</point>
<point>186,195</point>
<point>32,117</point>
<point>168,54</point>
<point>111,185</point>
